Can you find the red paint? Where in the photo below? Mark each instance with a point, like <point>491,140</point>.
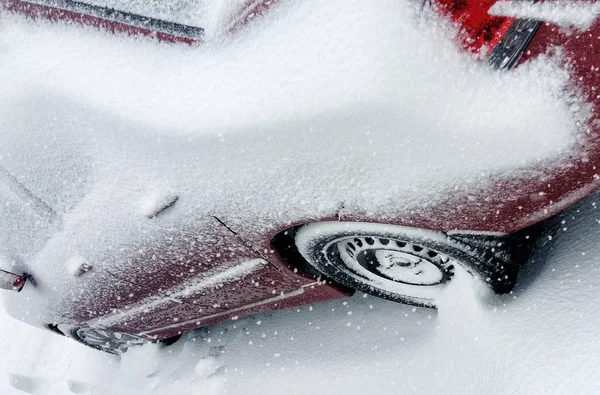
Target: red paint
<point>310,294</point>
<point>183,311</point>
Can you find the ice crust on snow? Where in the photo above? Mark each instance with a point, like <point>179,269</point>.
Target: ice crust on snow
<point>577,14</point>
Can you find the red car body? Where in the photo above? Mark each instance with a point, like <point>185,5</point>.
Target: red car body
<point>242,272</point>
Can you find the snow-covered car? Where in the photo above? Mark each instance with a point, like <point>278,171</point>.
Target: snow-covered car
<point>130,230</point>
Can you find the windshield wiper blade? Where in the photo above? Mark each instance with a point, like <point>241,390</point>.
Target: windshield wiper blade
<point>106,17</point>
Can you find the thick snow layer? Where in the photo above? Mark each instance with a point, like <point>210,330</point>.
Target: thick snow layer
<point>302,62</point>
<point>324,102</point>
<point>542,339</point>
<point>367,103</point>
<point>578,14</point>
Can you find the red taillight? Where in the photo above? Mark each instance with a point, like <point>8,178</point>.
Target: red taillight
<point>11,281</point>
<point>482,31</point>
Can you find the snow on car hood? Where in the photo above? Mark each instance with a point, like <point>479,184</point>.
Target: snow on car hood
<point>317,104</point>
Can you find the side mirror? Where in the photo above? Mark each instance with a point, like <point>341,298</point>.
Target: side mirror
<point>11,281</point>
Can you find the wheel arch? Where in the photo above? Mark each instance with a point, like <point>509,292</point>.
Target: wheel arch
<point>509,251</point>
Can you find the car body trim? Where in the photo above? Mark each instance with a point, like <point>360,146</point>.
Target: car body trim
<point>198,322</point>
<point>154,303</point>
<point>113,15</point>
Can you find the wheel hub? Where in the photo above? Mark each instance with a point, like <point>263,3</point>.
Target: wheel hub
<point>393,260</point>
<point>404,267</point>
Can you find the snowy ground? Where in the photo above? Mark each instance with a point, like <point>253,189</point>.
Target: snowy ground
<point>540,340</point>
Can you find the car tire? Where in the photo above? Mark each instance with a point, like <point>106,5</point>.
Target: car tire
<point>405,264</point>
<point>102,340</point>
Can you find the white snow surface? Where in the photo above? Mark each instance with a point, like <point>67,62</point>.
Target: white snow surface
<point>341,97</point>
<point>302,62</point>
<point>575,14</point>
<point>542,339</point>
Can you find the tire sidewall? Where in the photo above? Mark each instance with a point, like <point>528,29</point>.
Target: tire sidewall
<point>312,243</point>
